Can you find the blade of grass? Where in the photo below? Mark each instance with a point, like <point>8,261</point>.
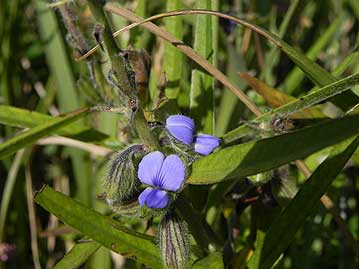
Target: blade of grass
<point>173,59</point>
<point>57,58</point>
<point>229,102</point>
<point>258,156</point>
<point>22,118</point>
<point>297,105</point>
<point>294,215</point>
<point>201,96</point>
<point>32,217</point>
<point>29,137</point>
<point>78,255</point>
<point>102,229</point>
<point>8,190</point>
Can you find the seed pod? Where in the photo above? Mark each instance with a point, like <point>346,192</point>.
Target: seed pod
<point>121,183</point>
<point>173,242</point>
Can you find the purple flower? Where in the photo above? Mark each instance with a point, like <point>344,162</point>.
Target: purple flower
<point>181,127</point>
<point>204,144</point>
<point>162,174</point>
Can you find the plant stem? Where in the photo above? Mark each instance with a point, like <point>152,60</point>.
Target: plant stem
<point>122,73</point>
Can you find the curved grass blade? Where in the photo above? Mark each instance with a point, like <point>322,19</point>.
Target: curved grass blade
<point>8,190</point>
<point>282,231</point>
<point>28,137</point>
<point>307,101</point>
<point>78,255</point>
<point>257,156</point>
<point>201,96</point>
<point>23,118</point>
<point>173,59</point>
<point>102,229</point>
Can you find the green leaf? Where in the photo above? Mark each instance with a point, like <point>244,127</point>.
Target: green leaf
<point>78,255</point>
<point>257,156</point>
<point>201,97</point>
<point>29,137</point>
<point>229,101</point>
<point>173,59</point>
<point>102,229</point>
<point>212,261</point>
<point>22,118</point>
<point>282,231</point>
<point>8,190</point>
<point>57,57</point>
<point>307,101</point>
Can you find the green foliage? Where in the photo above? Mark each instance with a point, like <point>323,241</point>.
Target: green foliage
<point>78,255</point>
<point>254,157</point>
<point>103,229</point>
<point>246,205</point>
<point>28,137</point>
<point>294,215</point>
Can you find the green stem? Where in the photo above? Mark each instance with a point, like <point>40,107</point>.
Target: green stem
<point>122,74</point>
<point>118,62</point>
<point>143,131</point>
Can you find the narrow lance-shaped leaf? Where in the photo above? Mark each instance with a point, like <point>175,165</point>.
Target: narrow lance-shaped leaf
<point>78,255</point>
<point>29,137</point>
<point>22,118</point>
<point>100,228</point>
<point>283,229</point>
<point>201,97</point>
<point>257,156</point>
<point>307,101</point>
<point>173,59</point>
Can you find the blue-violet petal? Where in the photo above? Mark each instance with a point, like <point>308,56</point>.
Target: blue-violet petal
<point>204,144</point>
<point>149,168</point>
<point>172,173</point>
<point>153,198</point>
<point>181,127</point>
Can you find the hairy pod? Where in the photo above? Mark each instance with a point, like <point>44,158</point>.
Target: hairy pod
<point>121,183</point>
<point>173,242</point>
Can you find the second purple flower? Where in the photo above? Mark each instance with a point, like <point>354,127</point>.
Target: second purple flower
<point>183,129</point>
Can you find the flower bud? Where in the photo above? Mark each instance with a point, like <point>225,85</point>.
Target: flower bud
<point>173,242</point>
<point>121,183</point>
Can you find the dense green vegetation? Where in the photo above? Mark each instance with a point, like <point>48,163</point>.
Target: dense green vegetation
<point>277,81</point>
